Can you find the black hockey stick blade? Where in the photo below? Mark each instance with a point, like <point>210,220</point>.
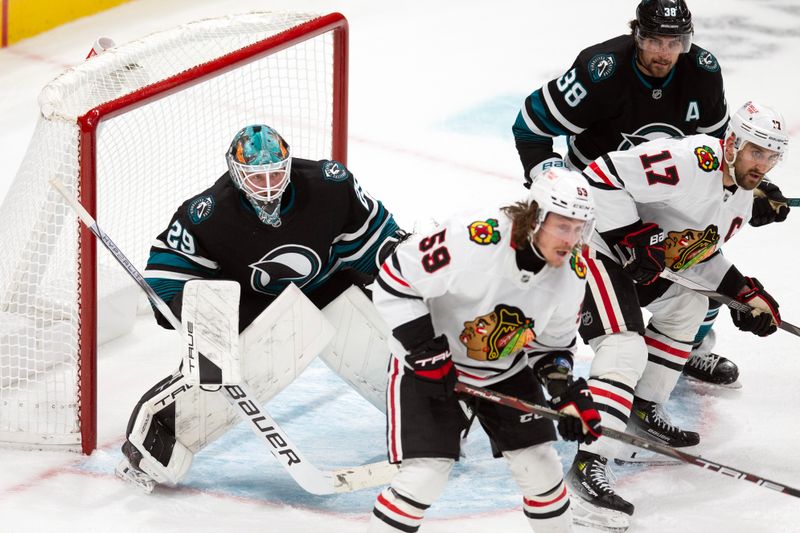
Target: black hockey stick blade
<point>712,466</point>
<point>734,304</point>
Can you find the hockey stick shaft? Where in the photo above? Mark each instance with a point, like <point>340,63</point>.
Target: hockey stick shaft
<point>723,299</point>
<point>244,403</point>
<point>793,202</point>
<point>522,405</point>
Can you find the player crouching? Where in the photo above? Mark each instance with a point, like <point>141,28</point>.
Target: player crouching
<point>490,298</point>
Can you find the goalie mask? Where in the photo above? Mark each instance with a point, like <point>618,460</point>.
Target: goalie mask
<point>566,193</point>
<point>260,163</point>
<point>761,126</point>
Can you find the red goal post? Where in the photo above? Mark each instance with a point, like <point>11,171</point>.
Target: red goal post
<point>133,132</point>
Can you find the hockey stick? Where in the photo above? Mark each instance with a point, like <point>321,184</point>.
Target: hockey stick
<point>308,476</point>
<point>793,202</point>
<point>663,449</point>
<point>733,303</point>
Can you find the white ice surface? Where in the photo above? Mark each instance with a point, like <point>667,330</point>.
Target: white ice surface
<point>434,89</point>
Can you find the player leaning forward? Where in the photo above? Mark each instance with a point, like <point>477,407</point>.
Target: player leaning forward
<point>490,298</point>
<point>271,220</point>
<point>666,204</point>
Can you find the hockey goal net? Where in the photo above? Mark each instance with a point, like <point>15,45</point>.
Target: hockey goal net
<point>132,133</point>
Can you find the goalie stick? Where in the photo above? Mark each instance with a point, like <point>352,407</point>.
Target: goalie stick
<point>663,449</point>
<point>733,303</point>
<point>307,475</point>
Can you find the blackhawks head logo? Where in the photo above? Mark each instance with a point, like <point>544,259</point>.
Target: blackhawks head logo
<point>706,158</point>
<point>484,232</point>
<point>577,264</point>
<point>690,246</point>
<point>504,331</point>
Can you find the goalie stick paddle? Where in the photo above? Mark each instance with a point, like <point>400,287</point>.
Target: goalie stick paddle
<point>663,449</point>
<point>245,404</point>
<point>721,298</point>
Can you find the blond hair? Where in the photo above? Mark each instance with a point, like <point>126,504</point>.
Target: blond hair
<point>523,216</point>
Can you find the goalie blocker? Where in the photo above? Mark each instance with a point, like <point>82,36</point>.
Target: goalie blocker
<point>182,414</point>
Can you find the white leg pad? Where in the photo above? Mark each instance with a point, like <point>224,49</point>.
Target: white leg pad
<point>423,479</point>
<point>277,346</point>
<point>619,357</point>
<point>678,313</point>
<point>359,353</point>
<point>281,342</point>
<point>536,469</point>
<point>179,461</point>
<point>414,488</point>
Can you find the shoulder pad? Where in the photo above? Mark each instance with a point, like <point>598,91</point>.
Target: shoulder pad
<point>578,265</point>
<point>334,171</point>
<point>484,232</point>
<point>706,60</point>
<point>601,66</point>
<point>200,208</point>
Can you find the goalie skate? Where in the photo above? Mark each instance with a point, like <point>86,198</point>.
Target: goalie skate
<point>130,474</point>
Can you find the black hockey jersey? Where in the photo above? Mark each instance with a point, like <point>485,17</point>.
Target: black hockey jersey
<point>328,222</point>
<point>605,103</point>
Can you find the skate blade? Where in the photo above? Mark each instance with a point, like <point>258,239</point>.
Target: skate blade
<point>600,518</point>
<point>135,477</point>
<point>647,458</point>
<point>736,385</point>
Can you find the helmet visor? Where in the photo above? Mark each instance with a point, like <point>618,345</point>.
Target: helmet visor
<point>572,230</point>
<point>660,43</point>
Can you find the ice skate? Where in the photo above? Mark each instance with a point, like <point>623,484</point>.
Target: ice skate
<point>649,420</point>
<point>714,369</point>
<point>594,502</point>
<point>128,469</point>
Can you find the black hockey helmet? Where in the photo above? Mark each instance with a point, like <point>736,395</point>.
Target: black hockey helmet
<point>664,17</point>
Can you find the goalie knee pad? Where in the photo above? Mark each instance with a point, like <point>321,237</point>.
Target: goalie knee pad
<point>359,352</point>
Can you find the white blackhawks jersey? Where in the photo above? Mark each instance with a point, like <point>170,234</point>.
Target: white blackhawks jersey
<point>464,278</point>
<point>677,184</point>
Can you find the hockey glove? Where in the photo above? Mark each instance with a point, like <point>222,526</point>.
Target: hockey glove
<point>764,319</point>
<point>769,205</point>
<point>643,254</point>
<point>433,368</point>
<point>582,422</point>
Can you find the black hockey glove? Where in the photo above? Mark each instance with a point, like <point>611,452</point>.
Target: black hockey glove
<point>582,422</point>
<point>764,319</point>
<point>433,368</point>
<point>769,205</point>
<point>643,254</point>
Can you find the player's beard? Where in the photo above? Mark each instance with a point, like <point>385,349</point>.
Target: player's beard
<point>748,179</point>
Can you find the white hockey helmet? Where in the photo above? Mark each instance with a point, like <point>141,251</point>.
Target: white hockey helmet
<point>564,192</point>
<point>760,125</point>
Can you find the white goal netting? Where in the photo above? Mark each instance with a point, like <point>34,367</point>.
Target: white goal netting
<point>136,130</point>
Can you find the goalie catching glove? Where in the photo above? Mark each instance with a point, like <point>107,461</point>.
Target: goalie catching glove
<point>643,253</point>
<point>582,422</point>
<point>764,319</point>
<point>769,205</point>
<point>433,368</point>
